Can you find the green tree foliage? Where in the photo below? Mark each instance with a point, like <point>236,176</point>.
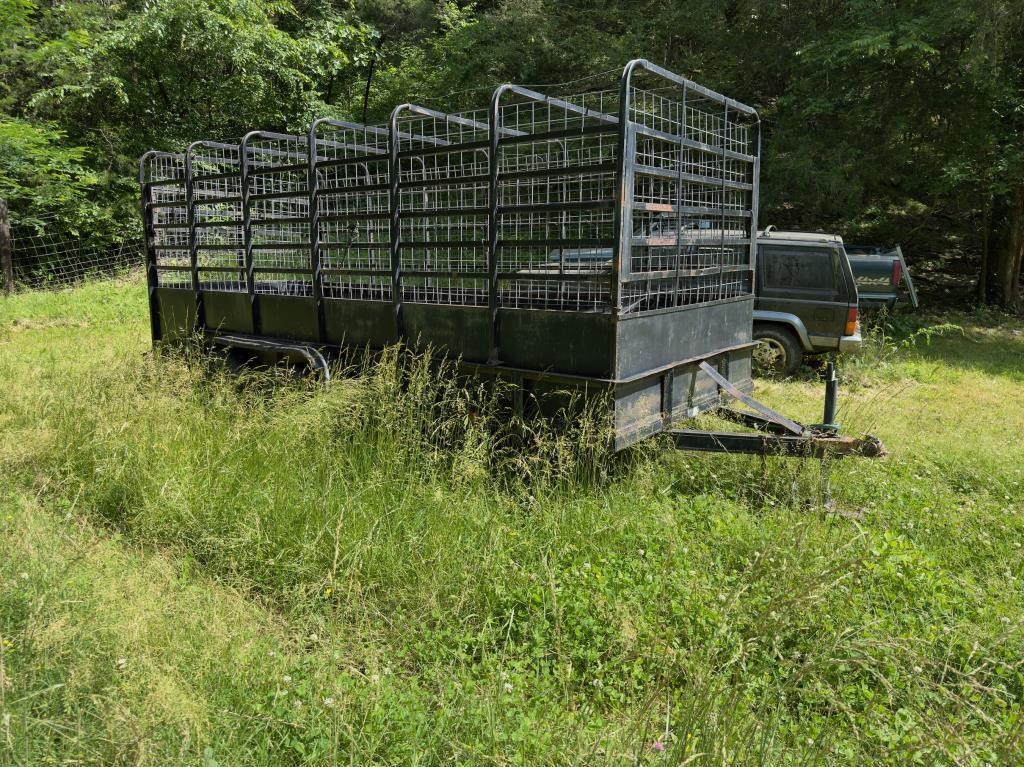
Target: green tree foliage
<point>915,111</point>
<point>185,68</point>
<point>42,178</point>
<point>120,78</point>
<point>888,121</point>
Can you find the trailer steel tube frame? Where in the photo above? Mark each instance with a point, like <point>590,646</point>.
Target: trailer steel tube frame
<point>147,249</point>
<point>572,199</point>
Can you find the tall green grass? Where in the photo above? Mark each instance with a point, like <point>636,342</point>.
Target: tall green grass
<point>397,570</point>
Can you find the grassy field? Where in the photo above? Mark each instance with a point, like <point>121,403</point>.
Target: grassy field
<point>201,570</point>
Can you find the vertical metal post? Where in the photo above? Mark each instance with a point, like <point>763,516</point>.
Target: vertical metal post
<point>518,398</point>
<point>667,397</point>
<point>313,182</point>
<point>725,161</point>
<point>395,201</point>
<point>250,274</point>
<point>148,236</point>
<point>755,180</point>
<point>679,199</point>
<point>493,224</point>
<point>6,251</point>
<point>193,241</point>
<point>623,214</point>
<point>830,425</point>
<point>425,200</point>
<point>563,229</point>
<point>831,396</point>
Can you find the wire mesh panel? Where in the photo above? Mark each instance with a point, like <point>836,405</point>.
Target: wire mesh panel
<point>442,213</point>
<point>217,216</point>
<point>556,170</point>
<point>693,165</point>
<point>276,213</point>
<point>351,210</point>
<point>56,257</point>
<point>166,213</point>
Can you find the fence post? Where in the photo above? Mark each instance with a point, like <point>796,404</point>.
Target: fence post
<point>6,254</point>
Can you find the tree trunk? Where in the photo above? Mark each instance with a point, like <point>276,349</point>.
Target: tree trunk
<point>986,242</point>
<point>1011,258</point>
<point>1006,250</point>
<point>369,75</point>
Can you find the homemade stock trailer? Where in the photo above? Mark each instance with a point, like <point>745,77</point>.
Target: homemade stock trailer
<point>480,235</point>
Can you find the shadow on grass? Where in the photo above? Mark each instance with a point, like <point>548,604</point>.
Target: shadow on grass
<point>992,351</point>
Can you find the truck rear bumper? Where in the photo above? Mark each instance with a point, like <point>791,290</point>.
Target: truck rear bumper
<point>851,344</point>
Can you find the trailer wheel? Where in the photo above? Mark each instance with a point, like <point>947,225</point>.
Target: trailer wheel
<point>778,352</point>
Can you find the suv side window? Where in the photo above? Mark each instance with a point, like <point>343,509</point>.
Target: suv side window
<point>799,269</point>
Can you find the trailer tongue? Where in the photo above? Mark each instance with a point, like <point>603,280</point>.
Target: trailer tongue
<point>456,233</point>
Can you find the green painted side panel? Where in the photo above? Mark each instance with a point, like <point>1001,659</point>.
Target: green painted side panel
<point>291,317</point>
<point>359,323</point>
<point>456,331</point>
<point>562,342</point>
<point>177,309</point>
<point>227,312</point>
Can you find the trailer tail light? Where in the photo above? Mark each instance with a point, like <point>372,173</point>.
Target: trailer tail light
<point>851,322</point>
<point>897,273</point>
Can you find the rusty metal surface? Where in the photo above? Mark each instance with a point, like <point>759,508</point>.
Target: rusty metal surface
<point>811,445</point>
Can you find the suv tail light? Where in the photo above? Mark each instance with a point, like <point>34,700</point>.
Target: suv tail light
<point>851,322</point>
<point>897,273</point>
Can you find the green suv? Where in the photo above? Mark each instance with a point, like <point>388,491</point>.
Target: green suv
<point>805,299</point>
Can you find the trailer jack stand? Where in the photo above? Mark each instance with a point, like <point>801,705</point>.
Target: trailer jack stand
<point>774,433</point>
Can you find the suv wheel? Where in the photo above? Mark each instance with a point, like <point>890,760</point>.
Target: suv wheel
<point>778,352</point>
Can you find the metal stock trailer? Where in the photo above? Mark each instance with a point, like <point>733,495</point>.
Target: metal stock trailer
<point>603,241</point>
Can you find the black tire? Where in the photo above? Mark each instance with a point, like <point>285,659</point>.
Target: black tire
<point>779,354</point>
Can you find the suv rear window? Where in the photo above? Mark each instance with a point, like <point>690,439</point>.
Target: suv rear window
<point>800,268</point>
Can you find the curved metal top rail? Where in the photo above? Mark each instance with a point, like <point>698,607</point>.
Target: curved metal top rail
<point>542,98</point>
<point>447,117</point>
<point>251,148</point>
<point>190,155</point>
<point>152,154</point>
<point>209,144</point>
<point>272,135</point>
<point>390,129</point>
<point>635,64</point>
<point>380,130</point>
<point>421,111</point>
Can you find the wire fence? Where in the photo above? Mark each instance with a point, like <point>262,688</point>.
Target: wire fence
<point>55,258</point>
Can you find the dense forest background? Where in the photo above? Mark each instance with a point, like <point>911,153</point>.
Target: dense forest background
<point>885,120</point>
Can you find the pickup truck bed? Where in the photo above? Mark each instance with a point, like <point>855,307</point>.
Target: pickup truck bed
<point>882,276</point>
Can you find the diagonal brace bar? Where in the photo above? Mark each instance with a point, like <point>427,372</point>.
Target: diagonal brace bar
<point>766,412</point>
